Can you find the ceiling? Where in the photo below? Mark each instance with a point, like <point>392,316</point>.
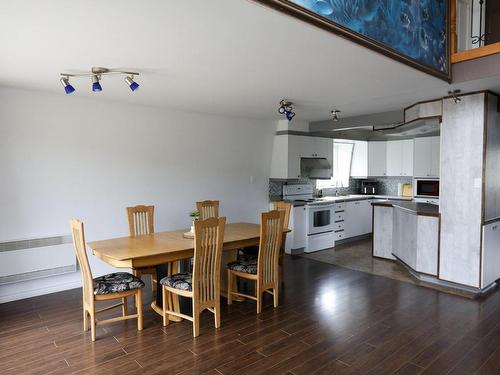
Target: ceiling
<point>231,57</point>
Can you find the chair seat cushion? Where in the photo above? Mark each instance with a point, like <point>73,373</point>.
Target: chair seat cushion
<point>246,264</point>
<point>116,282</point>
<point>181,281</point>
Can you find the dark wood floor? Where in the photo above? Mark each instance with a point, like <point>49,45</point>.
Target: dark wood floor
<point>331,320</point>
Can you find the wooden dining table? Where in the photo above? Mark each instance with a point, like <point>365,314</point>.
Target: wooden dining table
<point>160,248</point>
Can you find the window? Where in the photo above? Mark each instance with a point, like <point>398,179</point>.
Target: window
<point>342,157</point>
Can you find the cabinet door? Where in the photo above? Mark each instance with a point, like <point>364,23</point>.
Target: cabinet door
<point>377,159</point>
<point>422,157</point>
<point>294,143</point>
<point>394,158</point>
<point>299,227</point>
<point>366,213</point>
<point>407,157</point>
<point>436,156</point>
<point>323,147</point>
<point>359,165</point>
<point>307,146</point>
<point>357,218</point>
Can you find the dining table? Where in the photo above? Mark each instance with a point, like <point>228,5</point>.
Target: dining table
<point>161,248</point>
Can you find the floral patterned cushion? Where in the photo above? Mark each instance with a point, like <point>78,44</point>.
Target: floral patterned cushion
<point>181,281</point>
<point>246,265</point>
<point>116,282</point>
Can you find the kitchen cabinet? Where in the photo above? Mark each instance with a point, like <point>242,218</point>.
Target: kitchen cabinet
<point>359,164</point>
<point>316,147</point>
<point>377,159</point>
<point>357,218</point>
<point>426,157</point>
<point>382,232</point>
<point>288,149</point>
<point>299,229</point>
<point>400,158</point>
<point>491,255</point>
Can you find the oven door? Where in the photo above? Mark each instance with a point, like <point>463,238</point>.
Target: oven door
<point>320,219</point>
<point>427,188</point>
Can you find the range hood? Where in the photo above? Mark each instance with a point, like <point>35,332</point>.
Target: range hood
<point>315,168</point>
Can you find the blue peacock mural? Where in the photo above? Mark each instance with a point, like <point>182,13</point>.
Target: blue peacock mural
<point>414,28</point>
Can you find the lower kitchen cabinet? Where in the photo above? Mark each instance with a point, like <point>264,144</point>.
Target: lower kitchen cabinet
<point>382,232</point>
<point>297,238</point>
<point>357,218</point>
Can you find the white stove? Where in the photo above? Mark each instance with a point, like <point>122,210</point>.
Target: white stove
<point>319,222</point>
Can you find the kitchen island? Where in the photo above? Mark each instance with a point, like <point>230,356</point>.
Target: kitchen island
<point>409,233</point>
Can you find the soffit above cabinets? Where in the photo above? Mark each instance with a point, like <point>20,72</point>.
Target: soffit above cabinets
<point>419,120</point>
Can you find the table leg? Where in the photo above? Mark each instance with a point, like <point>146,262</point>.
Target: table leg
<point>157,305</point>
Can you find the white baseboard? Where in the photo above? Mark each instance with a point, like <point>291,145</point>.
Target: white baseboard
<point>34,292</point>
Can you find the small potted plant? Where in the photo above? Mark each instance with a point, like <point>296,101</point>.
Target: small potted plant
<point>194,215</point>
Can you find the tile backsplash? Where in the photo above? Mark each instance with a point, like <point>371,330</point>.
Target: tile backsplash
<point>386,186</point>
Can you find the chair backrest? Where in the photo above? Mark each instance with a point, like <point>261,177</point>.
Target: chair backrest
<point>208,239</point>
<point>141,220</point>
<point>81,254</point>
<point>286,207</point>
<point>271,235</point>
<point>208,209</point>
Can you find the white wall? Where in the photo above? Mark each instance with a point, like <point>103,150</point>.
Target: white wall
<point>64,156</point>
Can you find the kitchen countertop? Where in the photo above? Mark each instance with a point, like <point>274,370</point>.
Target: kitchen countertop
<point>423,209</point>
<point>345,198</point>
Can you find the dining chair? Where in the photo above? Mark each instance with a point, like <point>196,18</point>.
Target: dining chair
<point>286,207</point>
<point>140,223</point>
<point>264,269</point>
<point>118,285</point>
<point>203,284</point>
<point>208,209</point>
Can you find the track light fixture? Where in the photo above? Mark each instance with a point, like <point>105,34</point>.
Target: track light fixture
<point>130,82</point>
<point>286,108</point>
<point>96,74</point>
<point>67,86</point>
<point>454,95</point>
<point>335,115</point>
<point>96,86</point>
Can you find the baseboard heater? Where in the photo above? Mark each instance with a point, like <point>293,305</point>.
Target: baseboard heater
<point>36,258</point>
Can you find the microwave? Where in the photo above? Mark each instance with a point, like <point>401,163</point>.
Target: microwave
<point>427,188</point>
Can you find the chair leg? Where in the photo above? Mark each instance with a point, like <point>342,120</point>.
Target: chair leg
<point>275,295</point>
<point>259,299</point>
<point>217,313</point>
<point>196,322</point>
<point>138,302</point>
<point>85,320</point>
<point>124,306</point>
<point>165,305</point>
<point>282,263</point>
<point>92,323</point>
<point>229,287</point>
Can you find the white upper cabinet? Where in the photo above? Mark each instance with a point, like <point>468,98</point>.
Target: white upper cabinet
<point>315,147</point>
<point>400,158</point>
<point>377,159</point>
<point>426,157</point>
<point>359,164</point>
<point>288,149</point>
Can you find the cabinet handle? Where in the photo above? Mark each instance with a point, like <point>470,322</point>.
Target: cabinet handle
<point>494,227</point>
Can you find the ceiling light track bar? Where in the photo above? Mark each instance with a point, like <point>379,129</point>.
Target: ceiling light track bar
<point>96,73</point>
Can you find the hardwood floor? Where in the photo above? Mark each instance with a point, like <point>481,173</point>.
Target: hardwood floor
<point>331,320</point>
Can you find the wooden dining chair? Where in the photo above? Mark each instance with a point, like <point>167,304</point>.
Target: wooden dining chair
<point>118,285</point>
<point>264,269</point>
<point>203,284</point>
<point>208,209</point>
<point>286,207</point>
<point>140,223</point>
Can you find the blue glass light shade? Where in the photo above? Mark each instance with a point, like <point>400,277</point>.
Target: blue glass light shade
<point>69,89</point>
<point>290,115</point>
<point>134,86</point>
<point>96,87</point>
